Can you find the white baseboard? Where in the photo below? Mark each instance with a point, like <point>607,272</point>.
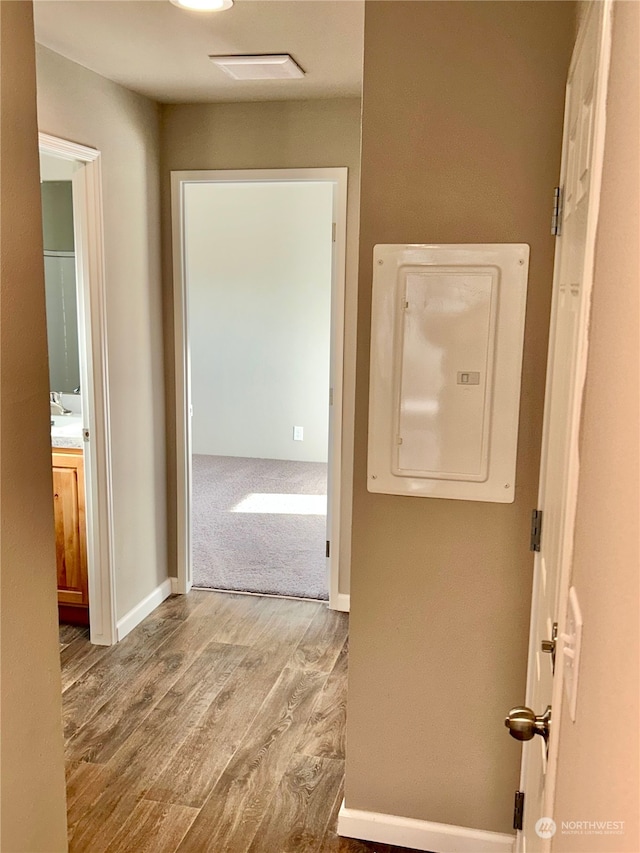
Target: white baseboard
<point>143,609</point>
<point>420,834</point>
<point>342,601</point>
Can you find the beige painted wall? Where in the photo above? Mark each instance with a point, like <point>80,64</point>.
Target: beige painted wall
<point>258,270</point>
<point>77,104</point>
<point>282,135</point>
<point>32,793</point>
<point>57,216</point>
<point>462,120</point>
<point>598,760</point>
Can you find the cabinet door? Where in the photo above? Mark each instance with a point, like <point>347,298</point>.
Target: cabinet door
<point>69,515</point>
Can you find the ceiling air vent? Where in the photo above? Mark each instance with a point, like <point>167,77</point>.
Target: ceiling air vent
<point>271,66</point>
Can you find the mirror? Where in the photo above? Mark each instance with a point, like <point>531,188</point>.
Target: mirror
<point>60,274</point>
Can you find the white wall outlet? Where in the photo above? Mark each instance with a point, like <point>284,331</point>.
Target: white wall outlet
<point>298,433</point>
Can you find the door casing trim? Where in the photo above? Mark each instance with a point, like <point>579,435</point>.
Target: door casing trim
<point>94,380</point>
<point>339,512</point>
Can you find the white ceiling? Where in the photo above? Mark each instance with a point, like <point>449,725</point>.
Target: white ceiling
<point>162,51</point>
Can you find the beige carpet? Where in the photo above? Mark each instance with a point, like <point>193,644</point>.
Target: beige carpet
<point>259,525</point>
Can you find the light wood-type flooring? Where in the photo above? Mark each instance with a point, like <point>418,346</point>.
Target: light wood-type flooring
<point>216,726</point>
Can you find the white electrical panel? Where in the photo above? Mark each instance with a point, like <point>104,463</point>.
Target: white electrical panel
<point>446,356</point>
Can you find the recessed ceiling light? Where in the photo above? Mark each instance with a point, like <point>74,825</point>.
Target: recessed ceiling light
<point>273,66</point>
<point>204,5</point>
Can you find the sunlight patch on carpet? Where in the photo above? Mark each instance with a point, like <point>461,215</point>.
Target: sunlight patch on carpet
<point>273,504</point>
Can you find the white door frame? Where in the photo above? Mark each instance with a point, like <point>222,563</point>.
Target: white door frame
<point>572,473</point>
<point>92,347</point>
<point>335,511</point>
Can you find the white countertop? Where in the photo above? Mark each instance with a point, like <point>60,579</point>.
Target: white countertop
<point>66,431</point>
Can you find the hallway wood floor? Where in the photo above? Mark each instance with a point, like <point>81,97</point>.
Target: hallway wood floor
<point>216,726</point>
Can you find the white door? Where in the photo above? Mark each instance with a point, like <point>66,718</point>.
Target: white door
<point>580,178</point>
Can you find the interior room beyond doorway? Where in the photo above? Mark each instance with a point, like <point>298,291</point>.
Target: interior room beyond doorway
<point>258,265</point>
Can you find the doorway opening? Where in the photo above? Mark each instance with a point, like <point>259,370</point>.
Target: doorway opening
<point>259,309</point>
<point>79,412</point>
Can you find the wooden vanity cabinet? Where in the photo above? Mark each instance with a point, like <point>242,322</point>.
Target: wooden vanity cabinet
<point>71,535</point>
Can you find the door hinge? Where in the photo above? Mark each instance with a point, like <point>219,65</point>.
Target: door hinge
<point>518,810</point>
<point>328,550</point>
<point>536,530</point>
<point>331,396</point>
<point>334,229</point>
<point>556,217</point>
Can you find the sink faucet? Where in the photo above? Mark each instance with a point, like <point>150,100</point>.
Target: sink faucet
<point>55,404</point>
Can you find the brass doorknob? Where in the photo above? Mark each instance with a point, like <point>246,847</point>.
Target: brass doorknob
<point>523,723</point>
